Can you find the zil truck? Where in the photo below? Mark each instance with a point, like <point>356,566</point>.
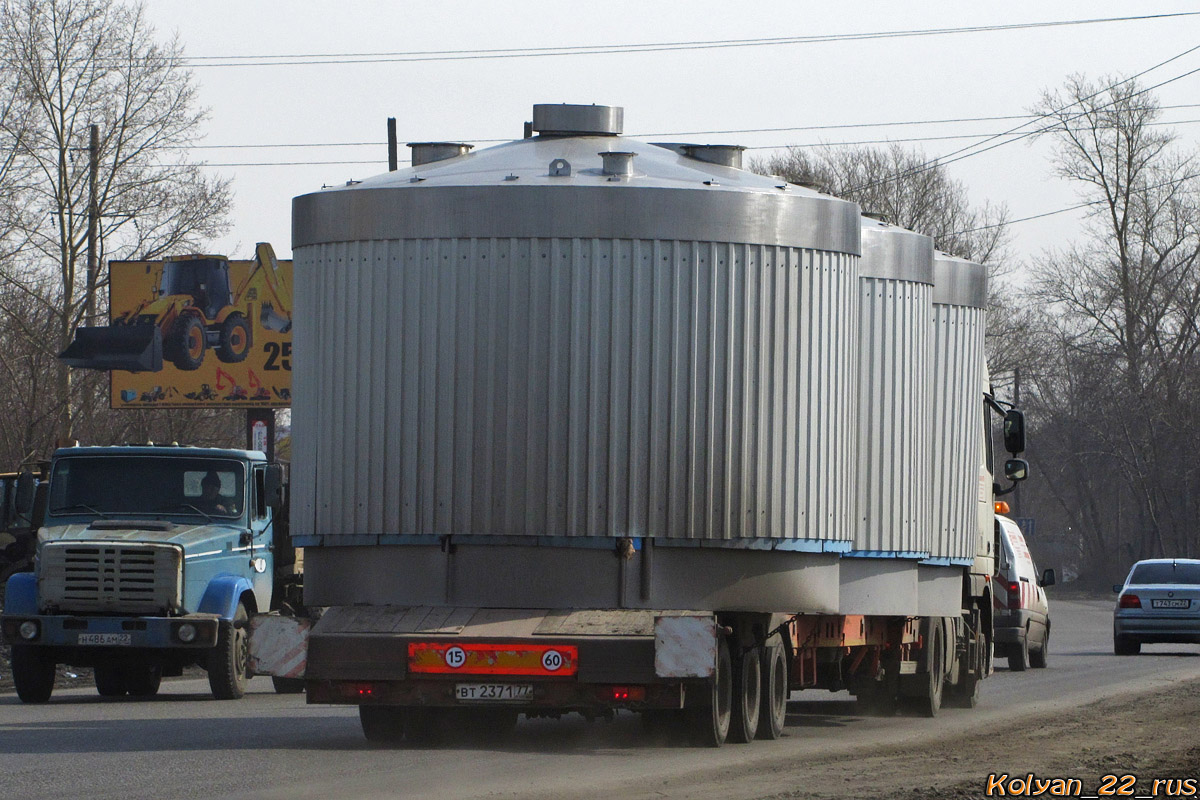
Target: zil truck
<point>149,559</point>
<point>620,425</point>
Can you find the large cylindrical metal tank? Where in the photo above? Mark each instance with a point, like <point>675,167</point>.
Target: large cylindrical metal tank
<point>962,489</point>
<point>568,340</point>
<point>517,342</point>
<point>894,325</point>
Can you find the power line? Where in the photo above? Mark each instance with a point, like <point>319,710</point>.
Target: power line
<point>961,153</point>
<point>1173,182</point>
<point>306,59</point>
<point>844,126</point>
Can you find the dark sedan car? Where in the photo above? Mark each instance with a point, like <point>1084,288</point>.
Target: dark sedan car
<point>1159,602</point>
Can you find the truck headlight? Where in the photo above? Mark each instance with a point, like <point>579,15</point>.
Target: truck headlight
<point>28,630</point>
<point>186,633</point>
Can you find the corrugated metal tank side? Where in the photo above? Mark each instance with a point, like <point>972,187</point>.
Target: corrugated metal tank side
<point>894,375</point>
<point>959,299</point>
<point>573,387</point>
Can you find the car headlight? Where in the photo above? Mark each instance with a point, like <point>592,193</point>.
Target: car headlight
<point>28,630</point>
<point>186,633</point>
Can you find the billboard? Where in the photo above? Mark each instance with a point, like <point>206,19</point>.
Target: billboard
<point>195,332</point>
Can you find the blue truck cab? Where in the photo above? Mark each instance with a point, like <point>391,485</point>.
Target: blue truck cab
<point>149,559</point>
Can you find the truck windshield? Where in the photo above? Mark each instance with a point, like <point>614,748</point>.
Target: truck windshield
<point>147,485</point>
<point>1165,572</point>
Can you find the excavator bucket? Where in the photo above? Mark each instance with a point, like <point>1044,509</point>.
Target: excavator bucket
<point>272,320</point>
<point>136,348</point>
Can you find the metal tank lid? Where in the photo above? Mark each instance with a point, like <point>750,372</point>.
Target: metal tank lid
<point>894,253</point>
<point>575,143</point>
<point>958,282</point>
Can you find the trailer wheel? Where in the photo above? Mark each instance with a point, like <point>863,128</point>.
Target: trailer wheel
<point>383,724</point>
<point>746,697</point>
<point>930,701</point>
<point>187,343</point>
<point>235,339</point>
<point>712,715</point>
<point>773,712</point>
<point>32,673</point>
<point>229,661</point>
<point>110,681</point>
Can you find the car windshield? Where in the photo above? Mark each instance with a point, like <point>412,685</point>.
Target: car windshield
<point>146,485</point>
<point>1165,572</point>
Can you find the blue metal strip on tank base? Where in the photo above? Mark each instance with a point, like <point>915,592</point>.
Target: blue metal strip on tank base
<point>589,542</point>
<point>912,554</point>
<point>942,561</point>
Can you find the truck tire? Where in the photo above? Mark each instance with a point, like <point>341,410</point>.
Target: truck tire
<point>187,343</point>
<point>110,680</point>
<point>773,713</point>
<point>712,715</point>
<point>33,674</point>
<point>746,697</point>
<point>229,661</point>
<point>143,680</point>
<point>1018,654</point>
<point>930,701</point>
<point>235,339</point>
<point>383,724</point>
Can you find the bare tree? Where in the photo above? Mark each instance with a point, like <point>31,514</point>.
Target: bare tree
<point>77,63</point>
<point>1122,402</point>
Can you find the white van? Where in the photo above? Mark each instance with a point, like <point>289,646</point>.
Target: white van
<point>1021,613</point>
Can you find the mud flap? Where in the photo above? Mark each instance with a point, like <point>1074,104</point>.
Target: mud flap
<point>136,348</point>
<point>685,646</point>
<point>279,645</point>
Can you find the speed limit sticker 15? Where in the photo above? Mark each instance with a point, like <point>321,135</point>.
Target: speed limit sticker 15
<point>492,658</point>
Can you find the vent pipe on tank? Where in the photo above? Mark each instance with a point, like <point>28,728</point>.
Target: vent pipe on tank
<point>428,152</point>
<point>616,163</point>
<point>727,155</point>
<point>573,120</point>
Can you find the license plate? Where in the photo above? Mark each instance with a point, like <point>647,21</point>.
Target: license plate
<point>1170,603</point>
<point>106,638</point>
<point>493,692</point>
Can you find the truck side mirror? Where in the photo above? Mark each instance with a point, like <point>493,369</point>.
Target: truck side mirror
<point>1016,469</point>
<point>1048,578</point>
<point>26,488</point>
<point>273,486</point>
<point>1014,431</point>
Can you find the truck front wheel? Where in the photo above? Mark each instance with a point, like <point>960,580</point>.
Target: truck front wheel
<point>229,661</point>
<point>33,674</point>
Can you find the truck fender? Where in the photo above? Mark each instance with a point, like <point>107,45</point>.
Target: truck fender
<point>222,596</point>
<point>20,594</point>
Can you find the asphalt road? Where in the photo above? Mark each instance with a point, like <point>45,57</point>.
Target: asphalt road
<point>183,744</point>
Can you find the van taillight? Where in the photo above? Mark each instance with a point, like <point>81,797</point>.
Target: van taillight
<point>1014,594</point>
<point>1129,601</point>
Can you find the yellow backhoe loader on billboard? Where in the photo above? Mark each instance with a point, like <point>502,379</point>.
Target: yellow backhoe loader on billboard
<point>192,308</point>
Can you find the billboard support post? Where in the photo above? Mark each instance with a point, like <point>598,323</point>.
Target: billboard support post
<point>260,431</point>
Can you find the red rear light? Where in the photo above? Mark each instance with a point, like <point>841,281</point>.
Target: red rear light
<point>1014,595</point>
<point>1129,601</point>
<point>627,694</point>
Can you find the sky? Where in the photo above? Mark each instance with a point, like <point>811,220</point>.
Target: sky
<point>312,118</point>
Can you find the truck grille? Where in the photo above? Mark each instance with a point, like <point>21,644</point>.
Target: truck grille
<point>110,577</point>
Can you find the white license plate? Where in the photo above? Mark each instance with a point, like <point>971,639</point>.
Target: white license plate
<point>1170,603</point>
<point>493,692</point>
<point>106,638</point>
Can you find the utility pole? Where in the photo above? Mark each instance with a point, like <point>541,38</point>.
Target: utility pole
<point>93,271</point>
<point>1017,404</point>
<point>393,155</point>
